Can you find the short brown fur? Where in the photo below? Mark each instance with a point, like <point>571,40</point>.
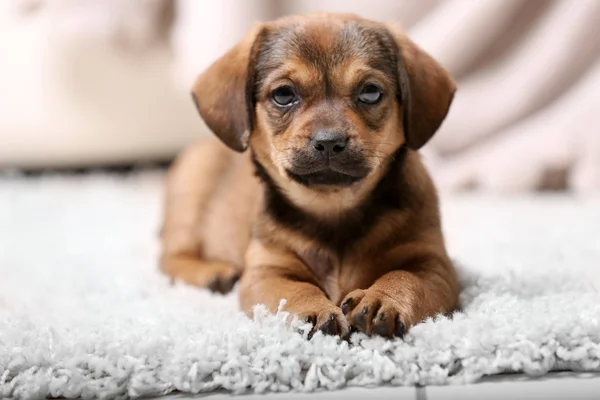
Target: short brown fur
<point>353,240</point>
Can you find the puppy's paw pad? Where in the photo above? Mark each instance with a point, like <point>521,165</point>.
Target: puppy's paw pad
<point>223,282</point>
<point>329,327</point>
<point>329,322</point>
<point>388,324</point>
<point>374,313</point>
<point>215,276</point>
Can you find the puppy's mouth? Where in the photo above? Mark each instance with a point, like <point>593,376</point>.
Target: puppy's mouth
<point>327,177</point>
<point>313,168</point>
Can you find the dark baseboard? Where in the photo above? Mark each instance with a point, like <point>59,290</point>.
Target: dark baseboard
<point>116,169</point>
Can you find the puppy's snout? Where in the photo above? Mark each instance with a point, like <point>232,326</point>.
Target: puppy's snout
<point>328,143</point>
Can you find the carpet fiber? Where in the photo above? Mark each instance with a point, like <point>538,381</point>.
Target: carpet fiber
<point>85,313</point>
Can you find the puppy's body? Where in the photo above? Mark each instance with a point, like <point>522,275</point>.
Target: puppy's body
<point>331,208</point>
<point>211,202</point>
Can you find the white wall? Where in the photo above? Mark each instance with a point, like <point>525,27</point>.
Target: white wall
<point>72,95</point>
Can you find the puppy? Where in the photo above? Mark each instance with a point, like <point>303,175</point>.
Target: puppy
<point>329,206</point>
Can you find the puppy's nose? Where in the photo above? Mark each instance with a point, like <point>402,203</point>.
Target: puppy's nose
<point>329,143</point>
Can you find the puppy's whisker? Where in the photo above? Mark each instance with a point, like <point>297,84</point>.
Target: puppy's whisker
<point>283,158</point>
<point>379,142</point>
<point>380,156</point>
<point>375,152</point>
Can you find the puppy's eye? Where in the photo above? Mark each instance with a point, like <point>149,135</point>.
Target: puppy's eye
<point>283,96</point>
<point>370,94</point>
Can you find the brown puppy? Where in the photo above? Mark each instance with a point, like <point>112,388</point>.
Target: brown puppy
<point>331,207</point>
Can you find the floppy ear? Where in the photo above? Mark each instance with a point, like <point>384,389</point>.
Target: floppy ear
<point>427,90</point>
<point>223,93</point>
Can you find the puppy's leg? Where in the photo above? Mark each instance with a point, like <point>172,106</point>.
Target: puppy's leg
<point>425,285</point>
<point>274,274</point>
<point>216,276</point>
<point>191,183</point>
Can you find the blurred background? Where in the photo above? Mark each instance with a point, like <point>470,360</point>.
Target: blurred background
<point>98,83</point>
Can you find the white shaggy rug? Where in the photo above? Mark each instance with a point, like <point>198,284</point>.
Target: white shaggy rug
<point>85,313</point>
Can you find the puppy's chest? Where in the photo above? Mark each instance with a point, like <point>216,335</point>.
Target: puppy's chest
<point>335,276</point>
<point>319,263</point>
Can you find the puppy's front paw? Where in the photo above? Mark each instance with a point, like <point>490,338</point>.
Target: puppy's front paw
<point>375,313</point>
<point>329,320</point>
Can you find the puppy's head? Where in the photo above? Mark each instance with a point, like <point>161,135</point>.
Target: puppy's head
<point>324,100</point>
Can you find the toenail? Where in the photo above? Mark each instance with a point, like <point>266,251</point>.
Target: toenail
<point>400,328</point>
<point>346,306</point>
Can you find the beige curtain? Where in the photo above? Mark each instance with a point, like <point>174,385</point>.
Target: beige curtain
<point>109,80</point>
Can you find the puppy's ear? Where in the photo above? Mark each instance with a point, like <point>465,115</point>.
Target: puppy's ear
<point>427,90</point>
<point>223,93</point>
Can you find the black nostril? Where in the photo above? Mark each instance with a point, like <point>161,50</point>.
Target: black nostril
<point>338,147</point>
<point>319,147</point>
